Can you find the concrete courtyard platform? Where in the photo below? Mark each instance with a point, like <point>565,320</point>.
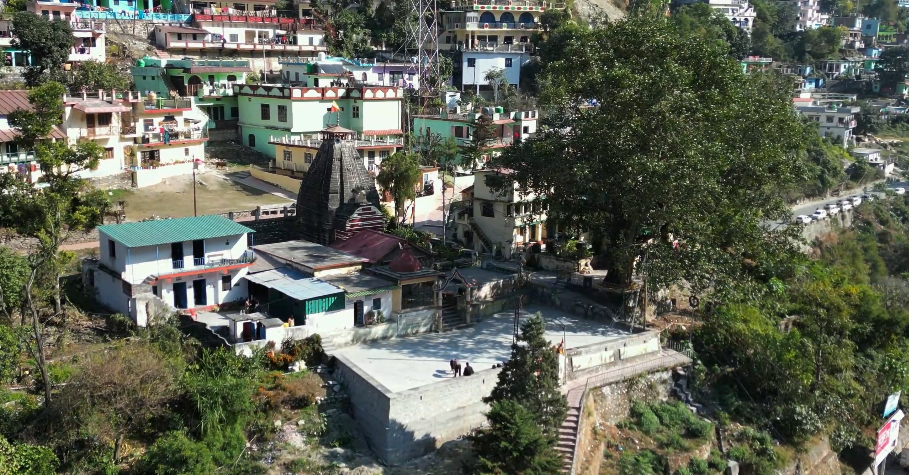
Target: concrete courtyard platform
<point>406,363</point>
<point>407,402</point>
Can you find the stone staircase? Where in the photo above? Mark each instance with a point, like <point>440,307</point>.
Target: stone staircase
<point>681,391</point>
<point>479,233</point>
<point>568,431</point>
<point>450,316</point>
<point>328,346</point>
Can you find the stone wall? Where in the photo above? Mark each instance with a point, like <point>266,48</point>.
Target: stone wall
<point>397,325</point>
<point>223,135</point>
<point>369,401</point>
<point>583,361</point>
<point>272,230</point>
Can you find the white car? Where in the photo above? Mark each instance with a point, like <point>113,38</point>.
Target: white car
<point>846,207</point>
<point>868,196</point>
<point>803,219</point>
<point>819,214</point>
<point>899,191</point>
<point>856,200</point>
<point>833,209</point>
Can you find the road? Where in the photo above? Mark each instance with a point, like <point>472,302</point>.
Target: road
<point>809,207</point>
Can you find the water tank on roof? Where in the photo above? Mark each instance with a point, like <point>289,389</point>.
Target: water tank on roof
<point>321,56</point>
<point>500,110</point>
<point>140,63</point>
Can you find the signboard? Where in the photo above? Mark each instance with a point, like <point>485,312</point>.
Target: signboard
<point>893,401</point>
<point>887,438</point>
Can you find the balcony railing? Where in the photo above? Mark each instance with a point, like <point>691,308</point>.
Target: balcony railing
<point>300,142</point>
<point>246,46</point>
<point>498,25</point>
<point>103,131</point>
<point>88,25</point>
<point>167,104</point>
<point>183,134</point>
<point>18,157</point>
<point>130,15</point>
<point>490,46</point>
<point>199,263</point>
<point>471,4</point>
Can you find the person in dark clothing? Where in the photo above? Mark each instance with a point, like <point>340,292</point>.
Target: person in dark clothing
<point>457,369</point>
<point>468,370</point>
<point>451,364</point>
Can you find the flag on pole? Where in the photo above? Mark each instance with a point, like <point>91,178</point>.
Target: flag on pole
<point>334,107</point>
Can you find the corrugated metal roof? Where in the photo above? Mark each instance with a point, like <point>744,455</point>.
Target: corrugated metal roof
<point>12,100</point>
<point>294,284</point>
<point>332,69</point>
<point>166,231</point>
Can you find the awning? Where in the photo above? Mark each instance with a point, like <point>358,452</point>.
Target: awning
<point>11,135</point>
<point>99,107</point>
<point>294,284</point>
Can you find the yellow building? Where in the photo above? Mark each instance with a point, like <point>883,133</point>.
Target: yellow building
<point>491,24</point>
<point>293,156</point>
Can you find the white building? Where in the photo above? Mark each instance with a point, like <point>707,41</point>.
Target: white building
<point>739,12</point>
<point>188,263</point>
<point>809,14</point>
<point>476,64</point>
<point>873,157</point>
<point>834,120</point>
<point>499,223</point>
<point>302,72</point>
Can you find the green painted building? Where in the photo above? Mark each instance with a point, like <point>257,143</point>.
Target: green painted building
<point>210,82</point>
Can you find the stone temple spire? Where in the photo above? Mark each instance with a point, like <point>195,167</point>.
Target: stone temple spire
<point>338,197</point>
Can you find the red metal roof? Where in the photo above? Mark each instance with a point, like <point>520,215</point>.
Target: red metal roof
<point>181,29</point>
<point>405,261</point>
<point>370,245</point>
<point>12,100</point>
<point>368,133</point>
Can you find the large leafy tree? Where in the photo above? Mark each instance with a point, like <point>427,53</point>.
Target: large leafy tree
<point>703,21</point>
<point>92,76</point>
<point>514,443</point>
<point>399,174</point>
<point>48,41</point>
<point>530,378</point>
<point>893,66</point>
<point>679,164</point>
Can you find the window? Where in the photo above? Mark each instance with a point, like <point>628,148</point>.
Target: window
<point>225,283</point>
<point>234,38</point>
<point>111,249</point>
<point>108,153</point>
<point>288,155</point>
<point>356,112</point>
<point>381,77</point>
<point>251,140</point>
<point>282,113</point>
<point>179,36</point>
<point>383,154</point>
<point>416,295</point>
<point>307,157</point>
<point>127,288</point>
<point>370,159</point>
<point>448,40</point>
<point>509,210</point>
<point>526,129</point>
<point>155,290</point>
<point>829,119</point>
<point>508,62</point>
<point>487,210</point>
<point>266,112</point>
<point>459,131</point>
<point>377,304</point>
<point>471,62</point>
<point>104,119</point>
<point>235,112</point>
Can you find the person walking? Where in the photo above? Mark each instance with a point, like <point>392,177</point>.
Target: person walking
<point>457,369</point>
<point>451,364</point>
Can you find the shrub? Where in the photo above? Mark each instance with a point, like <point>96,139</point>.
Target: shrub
<point>673,415</point>
<point>176,453</point>
<point>698,466</point>
<point>649,423</point>
<point>674,441</point>
<point>642,463</point>
<point>308,349</point>
<point>683,470</point>
<point>716,460</point>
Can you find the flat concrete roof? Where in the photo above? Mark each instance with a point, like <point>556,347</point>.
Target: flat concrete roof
<point>482,276</point>
<point>309,254</point>
<point>406,363</point>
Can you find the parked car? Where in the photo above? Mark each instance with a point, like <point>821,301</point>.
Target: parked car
<point>868,197</point>
<point>899,191</point>
<point>856,200</point>
<point>819,214</point>
<point>803,219</point>
<point>844,202</point>
<point>833,209</point>
<point>846,207</point>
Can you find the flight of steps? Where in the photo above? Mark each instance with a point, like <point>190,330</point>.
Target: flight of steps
<point>568,431</point>
<point>681,391</point>
<point>450,316</point>
<point>328,347</point>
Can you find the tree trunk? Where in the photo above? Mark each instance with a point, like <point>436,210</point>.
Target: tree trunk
<point>118,443</point>
<point>58,302</point>
<point>39,339</point>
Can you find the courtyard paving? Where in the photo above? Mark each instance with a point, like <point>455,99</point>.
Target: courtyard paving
<point>405,363</point>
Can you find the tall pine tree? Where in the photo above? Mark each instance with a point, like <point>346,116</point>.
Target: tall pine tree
<point>514,443</point>
<point>531,378</point>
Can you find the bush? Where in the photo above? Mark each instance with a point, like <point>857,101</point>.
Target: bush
<point>308,350</point>
<point>716,460</point>
<point>644,418</point>
<point>698,466</point>
<point>175,453</point>
<point>674,441</point>
<point>642,463</point>
<point>683,470</point>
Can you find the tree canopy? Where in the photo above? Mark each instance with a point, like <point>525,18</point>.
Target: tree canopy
<point>399,174</point>
<point>48,41</point>
<point>683,152</point>
<point>92,76</point>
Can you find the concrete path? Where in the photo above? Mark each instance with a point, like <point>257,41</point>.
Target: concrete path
<point>246,179</point>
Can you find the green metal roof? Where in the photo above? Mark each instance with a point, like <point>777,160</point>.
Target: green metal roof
<point>166,231</point>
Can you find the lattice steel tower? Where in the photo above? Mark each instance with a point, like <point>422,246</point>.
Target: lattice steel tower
<point>423,44</point>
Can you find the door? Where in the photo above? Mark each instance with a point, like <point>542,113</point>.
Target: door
<point>199,252</point>
<point>217,113</point>
<point>358,313</point>
<point>180,294</point>
<point>90,123</point>
<point>176,255</point>
<point>199,297</point>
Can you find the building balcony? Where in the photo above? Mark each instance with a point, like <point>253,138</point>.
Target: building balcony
<point>249,46</point>
<point>93,26</point>
<point>309,143</point>
<point>225,89</point>
<point>97,132</point>
<point>133,15</point>
<point>179,136</point>
<point>16,157</point>
<point>86,53</point>
<point>498,25</point>
<point>502,4</point>
<point>488,46</point>
<point>165,105</point>
<point>189,264</point>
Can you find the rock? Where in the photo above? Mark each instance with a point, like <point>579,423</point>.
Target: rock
<point>732,467</point>
<point>300,423</point>
<point>277,423</point>
<point>337,388</point>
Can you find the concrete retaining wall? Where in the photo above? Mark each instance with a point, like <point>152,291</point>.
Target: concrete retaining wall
<point>281,181</point>
<point>397,325</point>
<point>153,176</point>
<point>586,360</point>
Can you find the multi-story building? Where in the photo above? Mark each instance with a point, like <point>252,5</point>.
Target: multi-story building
<point>270,113</point>
<point>739,12</point>
<point>755,63</point>
<point>809,14</point>
<point>844,66</point>
<point>490,34</point>
<point>509,126</point>
<point>854,30</point>
<point>15,158</point>
<point>498,223</point>
<point>88,42</point>
<point>101,118</point>
<point>835,120</point>
<point>187,263</point>
<point>208,81</point>
<point>302,72</point>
